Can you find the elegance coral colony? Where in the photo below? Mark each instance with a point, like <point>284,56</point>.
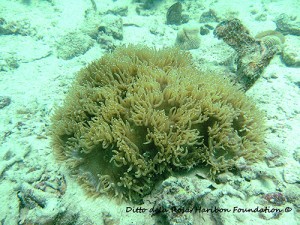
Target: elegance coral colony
<point>137,114</point>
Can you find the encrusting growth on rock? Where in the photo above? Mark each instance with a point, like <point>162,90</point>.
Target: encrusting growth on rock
<point>253,55</point>
<point>137,114</point>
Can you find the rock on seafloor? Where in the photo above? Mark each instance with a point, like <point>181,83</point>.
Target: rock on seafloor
<point>291,53</point>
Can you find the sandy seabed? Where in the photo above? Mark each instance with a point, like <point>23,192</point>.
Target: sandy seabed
<point>36,72</point>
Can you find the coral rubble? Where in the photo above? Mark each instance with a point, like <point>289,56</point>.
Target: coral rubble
<point>287,24</point>
<point>107,29</point>
<point>291,52</point>
<point>4,101</point>
<point>270,39</point>
<point>137,114</point>
<point>21,27</point>
<point>188,38</point>
<point>253,55</point>
<point>209,16</point>
<point>73,44</point>
<point>174,14</point>
<point>178,199</point>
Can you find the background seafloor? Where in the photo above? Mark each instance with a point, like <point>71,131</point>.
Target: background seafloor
<point>37,67</point>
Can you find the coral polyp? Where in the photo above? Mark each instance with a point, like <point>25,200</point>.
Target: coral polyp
<point>138,114</point>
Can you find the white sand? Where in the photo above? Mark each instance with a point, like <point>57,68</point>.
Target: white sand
<point>42,80</point>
